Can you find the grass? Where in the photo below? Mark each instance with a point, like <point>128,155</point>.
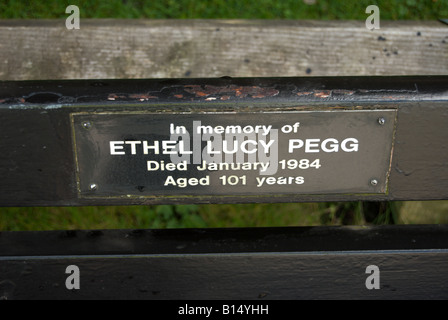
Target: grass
<point>196,216</point>
<point>114,217</point>
<point>226,9</point>
<point>213,216</point>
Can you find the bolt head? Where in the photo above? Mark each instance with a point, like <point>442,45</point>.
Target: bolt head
<point>381,121</point>
<point>373,182</point>
<point>93,186</point>
<point>86,124</point>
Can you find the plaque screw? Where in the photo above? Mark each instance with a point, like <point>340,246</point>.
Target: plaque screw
<point>93,186</point>
<point>373,182</point>
<point>381,121</point>
<point>86,124</point>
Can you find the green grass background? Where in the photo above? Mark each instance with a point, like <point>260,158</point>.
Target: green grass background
<point>226,9</point>
<point>239,215</point>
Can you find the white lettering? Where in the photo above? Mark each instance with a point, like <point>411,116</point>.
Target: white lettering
<point>114,147</point>
<point>155,147</point>
<point>133,148</point>
<point>352,147</point>
<point>311,143</point>
<point>334,147</point>
<point>295,144</point>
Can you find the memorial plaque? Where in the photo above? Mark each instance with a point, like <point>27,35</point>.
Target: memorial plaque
<point>142,154</point>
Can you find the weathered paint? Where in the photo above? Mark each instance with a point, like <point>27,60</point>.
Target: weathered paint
<point>240,263</point>
<point>36,180</point>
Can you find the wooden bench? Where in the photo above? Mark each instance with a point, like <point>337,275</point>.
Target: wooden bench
<point>316,71</point>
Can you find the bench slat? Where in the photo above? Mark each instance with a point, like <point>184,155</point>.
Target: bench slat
<point>37,163</point>
<point>244,263</point>
<point>105,49</point>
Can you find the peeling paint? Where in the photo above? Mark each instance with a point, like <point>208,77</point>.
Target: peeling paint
<point>226,89</point>
<point>322,94</point>
<point>113,97</point>
<point>53,106</point>
<point>305,93</point>
<point>325,93</point>
<point>140,97</point>
<point>238,91</point>
<point>22,106</point>
<point>345,92</point>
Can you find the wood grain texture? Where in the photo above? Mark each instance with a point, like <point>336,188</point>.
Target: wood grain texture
<point>102,49</point>
<point>243,263</point>
<point>403,275</point>
<point>37,168</point>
